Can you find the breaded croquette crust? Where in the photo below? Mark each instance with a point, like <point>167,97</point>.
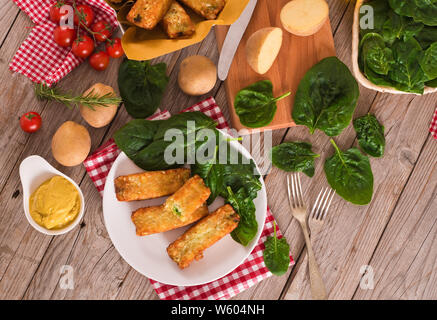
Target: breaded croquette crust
<point>147,13</point>
<point>202,235</point>
<point>209,9</point>
<point>188,198</point>
<point>150,184</point>
<point>177,23</point>
<point>156,219</point>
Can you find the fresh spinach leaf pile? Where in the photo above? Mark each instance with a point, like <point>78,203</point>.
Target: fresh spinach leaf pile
<point>370,135</point>
<point>326,97</point>
<point>401,49</point>
<point>238,183</point>
<point>142,86</point>
<point>276,254</point>
<point>350,175</point>
<point>294,156</point>
<point>255,105</point>
<point>143,140</point>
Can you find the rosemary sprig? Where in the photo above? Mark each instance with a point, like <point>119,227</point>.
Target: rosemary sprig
<point>90,100</point>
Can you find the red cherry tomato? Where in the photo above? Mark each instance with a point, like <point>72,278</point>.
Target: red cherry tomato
<point>86,15</point>
<point>103,30</point>
<point>30,122</point>
<point>55,11</point>
<point>83,46</point>
<point>64,36</point>
<point>114,48</point>
<point>99,60</point>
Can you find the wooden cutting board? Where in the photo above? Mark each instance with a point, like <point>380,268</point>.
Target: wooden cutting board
<point>297,56</point>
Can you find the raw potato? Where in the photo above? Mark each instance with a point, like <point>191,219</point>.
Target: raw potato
<point>100,116</point>
<point>71,144</point>
<point>304,17</point>
<point>197,75</point>
<point>262,48</point>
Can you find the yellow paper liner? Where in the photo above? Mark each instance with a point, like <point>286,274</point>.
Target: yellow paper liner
<point>141,44</point>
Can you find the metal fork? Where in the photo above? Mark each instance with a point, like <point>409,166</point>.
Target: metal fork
<point>300,213</point>
<point>315,223</point>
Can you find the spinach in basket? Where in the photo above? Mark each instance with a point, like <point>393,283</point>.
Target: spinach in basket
<point>142,86</point>
<point>256,105</point>
<point>370,135</point>
<point>294,156</point>
<point>326,97</point>
<point>350,175</point>
<point>401,50</point>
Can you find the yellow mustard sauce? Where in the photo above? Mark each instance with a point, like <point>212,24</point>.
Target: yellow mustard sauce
<point>55,203</point>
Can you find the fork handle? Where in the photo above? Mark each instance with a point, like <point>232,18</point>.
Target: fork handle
<point>318,290</point>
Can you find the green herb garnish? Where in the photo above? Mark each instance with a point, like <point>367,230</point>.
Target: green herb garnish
<point>90,100</point>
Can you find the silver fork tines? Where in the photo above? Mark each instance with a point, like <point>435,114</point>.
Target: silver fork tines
<point>322,204</point>
<point>295,194</point>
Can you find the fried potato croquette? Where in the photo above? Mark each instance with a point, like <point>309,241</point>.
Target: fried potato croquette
<point>157,219</point>
<point>202,235</point>
<point>177,23</point>
<point>148,13</point>
<point>188,198</point>
<point>185,206</point>
<point>209,9</point>
<point>150,185</point>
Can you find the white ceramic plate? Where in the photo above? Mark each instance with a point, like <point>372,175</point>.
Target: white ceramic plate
<point>148,254</point>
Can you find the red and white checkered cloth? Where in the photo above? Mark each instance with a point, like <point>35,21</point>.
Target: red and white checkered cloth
<point>249,273</point>
<point>433,127</point>
<point>39,58</point>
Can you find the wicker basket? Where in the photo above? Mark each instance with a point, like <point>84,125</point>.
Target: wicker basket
<point>356,69</point>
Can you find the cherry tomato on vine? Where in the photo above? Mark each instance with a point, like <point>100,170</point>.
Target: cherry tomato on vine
<point>99,60</point>
<point>103,30</point>
<point>64,36</point>
<point>30,122</point>
<point>86,15</point>
<point>55,11</point>
<point>114,48</point>
<point>83,46</point>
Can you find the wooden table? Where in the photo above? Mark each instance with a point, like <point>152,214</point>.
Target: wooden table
<point>395,234</point>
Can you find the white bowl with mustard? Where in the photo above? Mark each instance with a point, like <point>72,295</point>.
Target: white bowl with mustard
<point>53,203</point>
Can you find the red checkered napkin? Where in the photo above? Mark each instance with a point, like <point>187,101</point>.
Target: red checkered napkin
<point>433,127</point>
<point>249,273</point>
<point>39,58</point>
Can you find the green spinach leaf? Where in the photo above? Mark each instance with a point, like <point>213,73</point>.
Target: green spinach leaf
<point>380,9</point>
<point>255,105</point>
<point>326,97</point>
<point>350,175</point>
<point>406,71</point>
<point>142,86</point>
<point>276,254</point>
<point>294,156</point>
<point>370,135</point>
<point>244,206</point>
<point>427,36</point>
<point>400,27</point>
<point>420,10</point>
<point>143,140</point>
<point>428,61</point>
<point>376,55</point>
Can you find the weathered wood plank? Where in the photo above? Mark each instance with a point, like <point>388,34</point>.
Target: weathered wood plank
<point>405,262</point>
<point>8,13</point>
